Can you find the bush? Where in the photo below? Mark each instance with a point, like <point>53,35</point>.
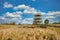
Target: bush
<point>43,25</point>
<point>46,21</point>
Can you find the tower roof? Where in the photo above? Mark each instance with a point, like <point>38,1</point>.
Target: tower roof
<point>37,14</point>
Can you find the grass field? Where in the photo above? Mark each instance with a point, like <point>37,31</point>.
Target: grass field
<point>17,32</point>
<point>55,29</point>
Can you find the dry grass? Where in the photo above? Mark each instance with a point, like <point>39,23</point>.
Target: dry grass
<point>15,33</point>
<point>55,29</point>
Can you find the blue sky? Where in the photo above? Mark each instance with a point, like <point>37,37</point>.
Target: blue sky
<point>22,11</point>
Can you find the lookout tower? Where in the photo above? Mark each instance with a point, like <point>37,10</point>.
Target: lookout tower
<point>37,19</point>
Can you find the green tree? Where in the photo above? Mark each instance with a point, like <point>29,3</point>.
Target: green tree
<point>46,21</point>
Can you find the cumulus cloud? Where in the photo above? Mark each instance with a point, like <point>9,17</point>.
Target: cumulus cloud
<point>2,17</point>
<point>21,7</point>
<point>14,14</point>
<point>28,9</point>
<point>50,16</point>
<point>53,14</point>
<point>27,21</point>
<point>12,17</point>
<point>31,10</point>
<point>7,5</point>
<point>57,13</point>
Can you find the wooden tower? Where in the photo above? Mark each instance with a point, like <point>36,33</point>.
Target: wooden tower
<point>37,19</point>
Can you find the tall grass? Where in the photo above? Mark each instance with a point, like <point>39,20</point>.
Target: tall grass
<point>27,34</point>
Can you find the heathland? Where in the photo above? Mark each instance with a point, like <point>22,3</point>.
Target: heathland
<point>26,32</point>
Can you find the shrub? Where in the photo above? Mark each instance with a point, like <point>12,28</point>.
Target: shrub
<point>43,25</point>
<point>46,21</point>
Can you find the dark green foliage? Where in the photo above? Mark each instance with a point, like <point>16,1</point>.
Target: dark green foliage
<point>46,21</point>
<point>43,25</point>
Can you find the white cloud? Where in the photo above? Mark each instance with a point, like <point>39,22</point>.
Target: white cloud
<point>21,7</point>
<point>14,14</point>
<point>43,13</point>
<point>12,17</point>
<point>2,17</point>
<point>27,21</point>
<point>53,14</point>
<point>50,17</point>
<point>7,5</point>
<point>56,13</point>
<point>50,13</point>
<point>28,9</point>
<point>31,10</point>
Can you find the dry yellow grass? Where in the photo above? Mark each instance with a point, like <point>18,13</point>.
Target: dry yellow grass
<point>16,33</point>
